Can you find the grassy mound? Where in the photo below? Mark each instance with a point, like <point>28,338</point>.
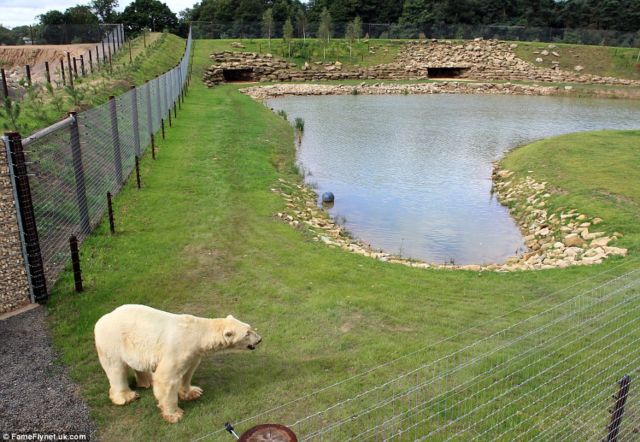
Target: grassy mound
<point>599,172</point>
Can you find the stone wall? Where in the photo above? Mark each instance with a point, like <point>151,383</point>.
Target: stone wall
<point>478,59</point>
<point>268,68</point>
<point>492,60</point>
<point>14,289</point>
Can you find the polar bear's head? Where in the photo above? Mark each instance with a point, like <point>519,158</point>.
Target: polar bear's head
<point>240,336</point>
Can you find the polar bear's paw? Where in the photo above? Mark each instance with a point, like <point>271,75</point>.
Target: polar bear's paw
<point>191,394</point>
<point>124,397</point>
<point>174,417</point>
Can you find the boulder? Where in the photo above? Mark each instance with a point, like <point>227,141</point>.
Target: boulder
<point>573,240</point>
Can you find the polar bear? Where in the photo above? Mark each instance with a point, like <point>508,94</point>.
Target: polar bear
<point>164,349</point>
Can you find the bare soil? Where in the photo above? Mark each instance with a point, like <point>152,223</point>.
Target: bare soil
<point>14,58</point>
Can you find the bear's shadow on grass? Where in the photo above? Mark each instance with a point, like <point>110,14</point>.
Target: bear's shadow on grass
<point>225,376</point>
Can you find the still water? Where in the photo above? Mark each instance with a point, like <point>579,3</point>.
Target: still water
<point>412,174</point>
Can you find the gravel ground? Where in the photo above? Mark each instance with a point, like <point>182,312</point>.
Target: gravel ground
<point>36,392</point>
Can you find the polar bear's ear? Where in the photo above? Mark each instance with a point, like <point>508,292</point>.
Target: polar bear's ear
<point>230,317</point>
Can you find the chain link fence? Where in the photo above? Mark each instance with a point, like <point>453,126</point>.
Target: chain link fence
<point>548,373</point>
<point>16,81</point>
<point>71,165</point>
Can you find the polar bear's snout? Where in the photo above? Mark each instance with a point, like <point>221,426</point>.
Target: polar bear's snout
<point>241,336</point>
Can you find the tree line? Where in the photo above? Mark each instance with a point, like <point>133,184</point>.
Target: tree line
<point>402,18</point>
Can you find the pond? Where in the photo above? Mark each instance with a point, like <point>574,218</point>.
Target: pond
<point>412,174</point>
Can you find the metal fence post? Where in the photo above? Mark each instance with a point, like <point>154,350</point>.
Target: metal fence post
<point>618,409</point>
<point>5,87</point>
<point>159,90</point>
<point>84,73</point>
<point>78,171</point>
<point>149,114</point>
<point>47,72</point>
<point>26,213</point>
<point>134,120</point>
<point>64,81</point>
<point>70,70</point>
<point>75,262</point>
<point>28,72</point>
<point>115,136</point>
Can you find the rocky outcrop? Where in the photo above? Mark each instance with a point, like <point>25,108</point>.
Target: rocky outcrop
<point>478,60</point>
<point>490,60</point>
<point>266,68</point>
<point>554,239</point>
<point>441,87</point>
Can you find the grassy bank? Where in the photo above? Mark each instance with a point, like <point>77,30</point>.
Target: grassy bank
<point>42,106</point>
<point>605,61</point>
<point>200,237</point>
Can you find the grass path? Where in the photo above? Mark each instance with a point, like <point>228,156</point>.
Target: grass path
<point>200,237</point>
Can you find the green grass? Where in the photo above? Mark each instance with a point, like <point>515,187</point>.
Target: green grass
<point>597,171</point>
<point>363,53</point>
<point>41,107</point>
<point>200,237</point>
<point>597,60</point>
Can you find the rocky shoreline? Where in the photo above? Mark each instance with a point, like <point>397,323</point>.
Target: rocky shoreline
<point>265,92</point>
<point>554,239</point>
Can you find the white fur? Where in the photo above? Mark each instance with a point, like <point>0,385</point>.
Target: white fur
<point>164,350</point>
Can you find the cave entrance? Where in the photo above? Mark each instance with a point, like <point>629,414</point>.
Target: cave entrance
<point>238,75</point>
<point>445,72</point>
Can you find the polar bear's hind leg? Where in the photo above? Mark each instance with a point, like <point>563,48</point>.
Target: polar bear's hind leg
<point>119,391</point>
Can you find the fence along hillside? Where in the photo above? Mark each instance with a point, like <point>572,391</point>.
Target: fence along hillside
<point>62,174</point>
<point>108,39</point>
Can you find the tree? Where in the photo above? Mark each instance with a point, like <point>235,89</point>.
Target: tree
<point>301,23</point>
<point>287,33</point>
<point>105,10</point>
<point>151,14</point>
<point>324,30</point>
<point>350,36</point>
<point>267,24</point>
<point>357,27</point>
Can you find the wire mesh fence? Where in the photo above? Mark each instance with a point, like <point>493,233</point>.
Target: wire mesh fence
<point>72,164</point>
<point>549,375</point>
<point>15,82</point>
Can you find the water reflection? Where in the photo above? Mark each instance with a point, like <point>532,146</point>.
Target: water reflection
<point>411,174</point>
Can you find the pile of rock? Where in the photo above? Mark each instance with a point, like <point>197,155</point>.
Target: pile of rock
<point>444,87</point>
<point>554,239</point>
<point>261,66</point>
<point>479,59</point>
<point>490,60</point>
<point>269,68</point>
<point>14,288</point>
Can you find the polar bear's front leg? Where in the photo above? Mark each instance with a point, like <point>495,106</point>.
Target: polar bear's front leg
<point>187,391</point>
<point>166,392</point>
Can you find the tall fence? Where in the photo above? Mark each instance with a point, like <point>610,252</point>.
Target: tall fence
<point>241,29</point>
<point>64,172</point>
<point>565,370</point>
<point>108,39</point>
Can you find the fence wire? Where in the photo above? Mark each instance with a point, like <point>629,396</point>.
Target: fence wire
<point>108,39</point>
<point>549,375</point>
<point>73,164</point>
